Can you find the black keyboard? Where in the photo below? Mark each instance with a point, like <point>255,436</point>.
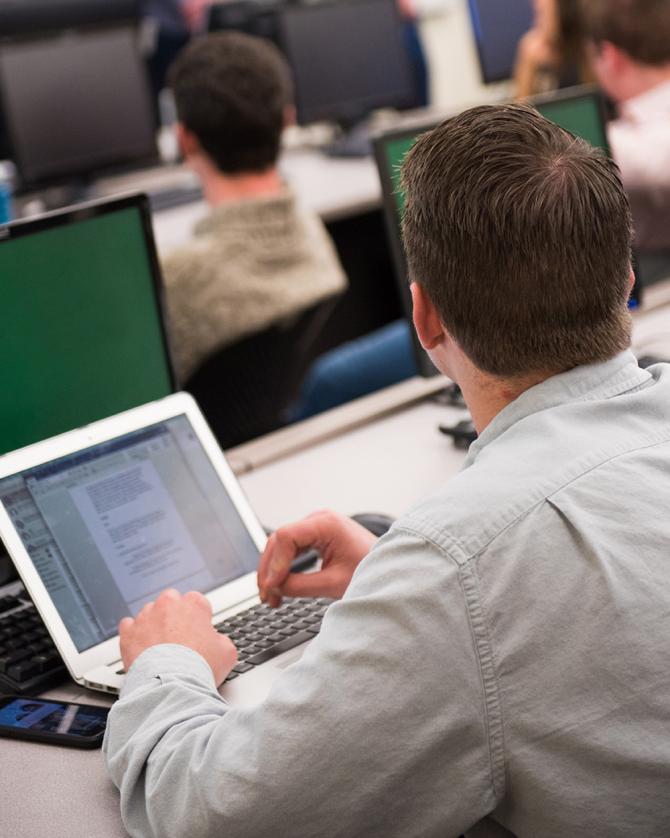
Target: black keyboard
<point>179,196</point>
<point>261,633</point>
<point>29,661</point>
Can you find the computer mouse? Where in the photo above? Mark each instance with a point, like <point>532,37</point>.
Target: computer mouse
<point>376,522</point>
<point>649,361</point>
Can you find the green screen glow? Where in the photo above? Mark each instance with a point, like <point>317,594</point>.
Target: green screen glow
<point>80,334</point>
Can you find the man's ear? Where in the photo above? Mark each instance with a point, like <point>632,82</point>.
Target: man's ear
<point>290,116</point>
<point>612,60</point>
<point>188,142</point>
<point>427,323</point>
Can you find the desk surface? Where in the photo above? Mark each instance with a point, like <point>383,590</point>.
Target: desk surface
<point>58,792</point>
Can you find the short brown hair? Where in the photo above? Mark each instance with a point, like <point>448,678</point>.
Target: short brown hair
<point>520,234</point>
<point>641,28</point>
<point>231,90</point>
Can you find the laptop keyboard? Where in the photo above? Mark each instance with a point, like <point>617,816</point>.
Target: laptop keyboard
<point>29,661</point>
<point>262,633</point>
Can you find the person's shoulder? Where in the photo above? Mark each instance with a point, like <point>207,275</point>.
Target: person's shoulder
<point>184,264</point>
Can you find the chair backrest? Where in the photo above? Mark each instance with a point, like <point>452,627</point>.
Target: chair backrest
<point>245,389</point>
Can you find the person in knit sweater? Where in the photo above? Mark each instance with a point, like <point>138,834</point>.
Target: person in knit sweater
<point>259,257</point>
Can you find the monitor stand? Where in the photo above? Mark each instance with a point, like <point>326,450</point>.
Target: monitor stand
<point>354,141</point>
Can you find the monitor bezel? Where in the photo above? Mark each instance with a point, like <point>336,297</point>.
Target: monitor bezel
<point>346,116</point>
<point>95,209</point>
<point>425,366</point>
<point>19,17</point>
<point>26,184</point>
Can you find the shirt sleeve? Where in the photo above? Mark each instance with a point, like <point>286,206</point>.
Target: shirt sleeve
<point>381,728</point>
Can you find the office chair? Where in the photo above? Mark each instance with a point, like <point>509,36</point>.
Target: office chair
<point>245,389</point>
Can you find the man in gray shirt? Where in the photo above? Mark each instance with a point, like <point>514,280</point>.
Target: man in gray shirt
<point>499,661</point>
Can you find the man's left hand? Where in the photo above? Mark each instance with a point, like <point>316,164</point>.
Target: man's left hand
<point>186,620</point>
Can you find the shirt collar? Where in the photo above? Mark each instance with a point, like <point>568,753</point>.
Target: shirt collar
<point>586,383</point>
<point>651,103</point>
<point>248,212</point>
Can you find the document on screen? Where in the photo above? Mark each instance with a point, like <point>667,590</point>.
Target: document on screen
<point>139,531</point>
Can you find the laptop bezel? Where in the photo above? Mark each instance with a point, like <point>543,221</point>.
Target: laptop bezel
<point>222,598</point>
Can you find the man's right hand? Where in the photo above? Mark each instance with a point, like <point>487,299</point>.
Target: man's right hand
<point>342,543</point>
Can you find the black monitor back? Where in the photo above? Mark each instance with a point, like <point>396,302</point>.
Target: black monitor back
<point>498,26</point>
<point>76,103</point>
<point>348,59</point>
<point>248,16</point>
<point>20,17</point>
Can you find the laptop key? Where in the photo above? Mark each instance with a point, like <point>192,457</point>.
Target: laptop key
<point>280,648</point>
<point>243,667</point>
<point>8,602</point>
<point>313,619</point>
<point>277,637</point>
<point>21,671</point>
<point>13,657</point>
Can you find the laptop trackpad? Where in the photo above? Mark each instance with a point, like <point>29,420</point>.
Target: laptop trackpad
<point>252,687</point>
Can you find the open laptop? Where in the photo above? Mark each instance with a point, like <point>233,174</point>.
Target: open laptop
<point>101,519</point>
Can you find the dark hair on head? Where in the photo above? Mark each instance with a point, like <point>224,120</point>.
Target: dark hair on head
<point>520,234</point>
<point>641,28</point>
<point>231,90</point>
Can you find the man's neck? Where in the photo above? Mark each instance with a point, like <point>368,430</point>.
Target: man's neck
<point>221,189</point>
<point>487,395</point>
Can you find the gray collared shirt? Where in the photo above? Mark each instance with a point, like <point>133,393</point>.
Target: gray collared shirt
<point>501,659</point>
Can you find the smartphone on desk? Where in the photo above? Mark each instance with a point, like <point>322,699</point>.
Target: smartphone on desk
<point>51,721</point>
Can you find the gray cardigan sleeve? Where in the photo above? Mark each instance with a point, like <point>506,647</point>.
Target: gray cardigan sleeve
<point>380,729</point>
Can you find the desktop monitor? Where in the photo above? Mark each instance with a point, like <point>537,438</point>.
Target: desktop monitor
<point>19,17</point>
<point>81,324</point>
<point>75,103</point>
<point>253,17</point>
<point>390,149</point>
<point>498,26</point>
<point>348,59</point>
<point>580,111</point>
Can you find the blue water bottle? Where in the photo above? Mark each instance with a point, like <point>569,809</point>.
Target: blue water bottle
<point>6,192</point>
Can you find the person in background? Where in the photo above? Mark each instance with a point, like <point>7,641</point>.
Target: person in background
<point>165,33</point>
<point>630,53</point>
<point>551,54</point>
<point>258,257</point>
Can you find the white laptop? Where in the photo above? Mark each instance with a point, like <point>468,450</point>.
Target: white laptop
<point>100,520</point>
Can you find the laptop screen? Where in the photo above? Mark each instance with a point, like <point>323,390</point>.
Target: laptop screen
<point>111,526</point>
<point>80,319</point>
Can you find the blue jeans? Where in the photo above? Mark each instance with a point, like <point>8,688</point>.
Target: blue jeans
<point>355,369</point>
